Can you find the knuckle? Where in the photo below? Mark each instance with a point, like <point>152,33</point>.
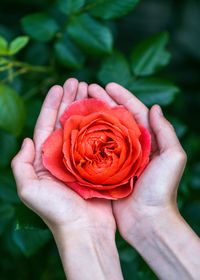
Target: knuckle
<point>22,193</point>
<point>181,155</point>
<point>14,162</point>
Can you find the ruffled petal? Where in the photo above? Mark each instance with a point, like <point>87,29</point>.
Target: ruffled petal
<point>83,108</point>
<point>53,157</point>
<point>86,193</point>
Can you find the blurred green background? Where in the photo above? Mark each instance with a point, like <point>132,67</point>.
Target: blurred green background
<point>151,47</point>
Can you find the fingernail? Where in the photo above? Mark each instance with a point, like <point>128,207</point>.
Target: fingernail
<point>23,144</point>
<point>159,110</point>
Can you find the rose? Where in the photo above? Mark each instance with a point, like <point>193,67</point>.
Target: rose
<point>99,151</point>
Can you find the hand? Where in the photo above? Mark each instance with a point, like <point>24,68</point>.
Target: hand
<point>64,211</point>
<point>149,219</point>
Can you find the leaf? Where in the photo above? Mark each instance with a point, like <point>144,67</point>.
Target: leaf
<point>8,190</point>
<point>90,35</point>
<point>3,61</point>
<point>6,214</point>
<point>108,9</point>
<point>179,126</point>
<point>27,219</point>
<point>115,68</point>
<point>70,6</point>
<point>30,241</point>
<point>17,44</point>
<point>154,90</point>
<point>195,177</point>
<point>191,212</point>
<point>8,147</point>
<point>3,46</point>
<point>68,54</point>
<point>12,111</point>
<point>40,26</point>
<point>149,55</point>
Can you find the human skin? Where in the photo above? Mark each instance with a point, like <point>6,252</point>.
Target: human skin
<point>84,230</point>
<point>149,219</point>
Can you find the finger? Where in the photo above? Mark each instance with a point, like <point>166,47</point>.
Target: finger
<point>135,106</point>
<point>22,164</point>
<point>82,91</point>
<point>163,130</point>
<point>98,92</point>
<point>70,89</point>
<point>46,120</point>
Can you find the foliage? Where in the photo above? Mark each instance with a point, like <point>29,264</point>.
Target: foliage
<point>45,42</point>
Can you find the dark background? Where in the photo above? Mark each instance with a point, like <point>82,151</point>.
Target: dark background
<point>26,246</point>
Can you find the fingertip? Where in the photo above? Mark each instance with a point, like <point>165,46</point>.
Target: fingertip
<point>73,82</point>
<point>110,85</point>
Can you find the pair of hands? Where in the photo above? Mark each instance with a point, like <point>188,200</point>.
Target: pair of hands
<point>62,209</point>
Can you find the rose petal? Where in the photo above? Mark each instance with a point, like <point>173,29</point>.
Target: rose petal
<point>84,108</point>
<point>126,118</point>
<point>53,157</point>
<point>145,141</point>
<point>119,192</point>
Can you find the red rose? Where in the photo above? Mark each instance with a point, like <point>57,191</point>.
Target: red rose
<point>99,151</point>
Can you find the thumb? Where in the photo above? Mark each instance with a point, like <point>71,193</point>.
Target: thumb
<point>22,163</point>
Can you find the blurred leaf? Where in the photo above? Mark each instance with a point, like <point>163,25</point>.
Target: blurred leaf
<point>27,219</point>
<point>70,6</point>
<point>33,107</point>
<point>17,44</point>
<point>68,54</point>
<point>3,46</point>
<point>6,214</point>
<point>8,147</point>
<point>195,177</point>
<point>39,50</point>
<point>191,212</point>
<point>40,26</point>
<point>30,241</point>
<point>3,61</point>
<point>108,9</point>
<point>154,90</point>
<point>90,35</point>
<point>115,68</point>
<point>12,111</point>
<point>8,190</point>
<point>150,55</point>
<point>179,126</point>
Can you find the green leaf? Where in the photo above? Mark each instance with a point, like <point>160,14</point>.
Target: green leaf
<point>17,44</point>
<point>6,214</point>
<point>3,46</point>
<point>149,55</point>
<point>108,9</point>
<point>27,219</point>
<point>191,212</point>
<point>90,35</point>
<point>115,68</point>
<point>8,190</point>
<point>3,61</point>
<point>30,241</point>
<point>70,6</point>
<point>179,126</point>
<point>8,147</point>
<point>195,177</point>
<point>12,111</point>
<point>40,26</point>
<point>68,54</point>
<point>154,90</point>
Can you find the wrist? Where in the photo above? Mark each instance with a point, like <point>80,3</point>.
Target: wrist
<point>88,253</point>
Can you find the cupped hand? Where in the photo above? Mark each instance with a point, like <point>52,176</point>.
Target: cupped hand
<point>52,200</point>
<point>156,189</point>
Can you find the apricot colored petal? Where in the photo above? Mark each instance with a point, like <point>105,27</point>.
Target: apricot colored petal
<point>83,108</point>
<point>145,141</point>
<point>86,192</point>
<point>122,191</point>
<point>126,118</point>
<point>53,157</point>
<point>114,194</point>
